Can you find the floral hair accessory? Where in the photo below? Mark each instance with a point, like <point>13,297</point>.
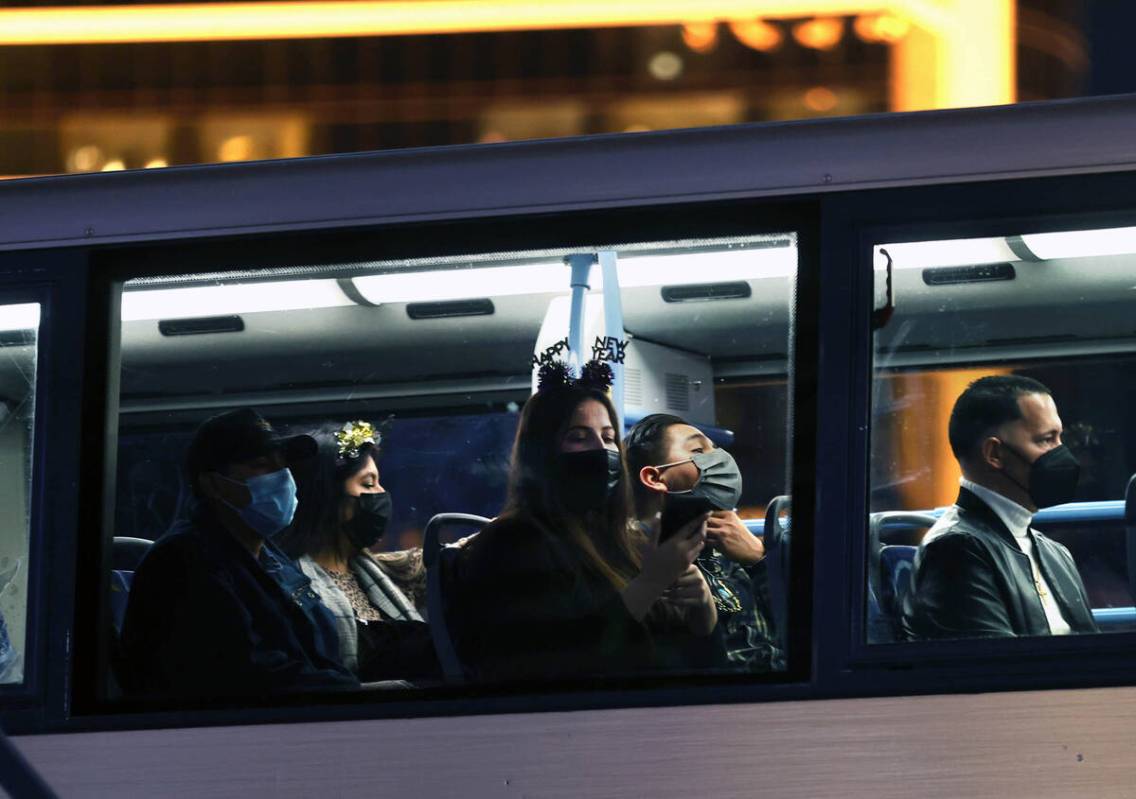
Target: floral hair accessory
<point>353,436</point>
<point>555,375</point>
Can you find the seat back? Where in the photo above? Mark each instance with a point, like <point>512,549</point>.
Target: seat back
<point>896,565</point>
<point>438,558</point>
<point>889,566</point>
<point>126,554</point>
<point>1130,533</point>
<point>120,582</point>
<point>776,537</point>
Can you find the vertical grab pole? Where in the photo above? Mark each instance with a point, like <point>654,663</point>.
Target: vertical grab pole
<point>613,323</point>
<point>581,268</point>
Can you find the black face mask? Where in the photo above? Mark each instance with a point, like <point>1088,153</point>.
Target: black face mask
<point>372,514</point>
<point>1053,477</point>
<point>589,478</point>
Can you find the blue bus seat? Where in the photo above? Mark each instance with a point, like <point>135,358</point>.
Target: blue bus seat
<point>896,564</point>
<point>889,570</point>
<point>776,535</point>
<point>126,554</point>
<point>120,582</point>
<point>438,558</point>
<point>1115,619</point>
<point>755,526</point>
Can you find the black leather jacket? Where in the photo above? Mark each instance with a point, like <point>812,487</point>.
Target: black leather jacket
<point>974,581</point>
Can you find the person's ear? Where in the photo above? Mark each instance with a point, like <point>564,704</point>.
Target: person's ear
<point>991,452</point>
<point>652,478</point>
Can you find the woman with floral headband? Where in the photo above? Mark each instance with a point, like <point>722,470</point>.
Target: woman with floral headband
<point>344,511</point>
<point>559,585</point>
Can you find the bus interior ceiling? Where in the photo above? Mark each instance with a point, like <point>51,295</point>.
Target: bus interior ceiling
<point>452,384</point>
<point>352,348</point>
<point>1085,302</point>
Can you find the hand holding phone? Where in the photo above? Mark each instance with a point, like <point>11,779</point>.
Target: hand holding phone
<point>680,510</point>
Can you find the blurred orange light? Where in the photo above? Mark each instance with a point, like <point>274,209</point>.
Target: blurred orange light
<point>757,35</point>
<point>820,98</point>
<point>114,165</point>
<point>881,28</point>
<point>701,37</point>
<point>665,66</point>
<point>822,33</point>
<point>308,19</point>
<point>85,159</point>
<point>235,148</point>
<point>157,163</point>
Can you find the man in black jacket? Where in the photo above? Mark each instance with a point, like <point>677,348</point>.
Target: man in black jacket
<point>981,571</point>
<point>217,610</point>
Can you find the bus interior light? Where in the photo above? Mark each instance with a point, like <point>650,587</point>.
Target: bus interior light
<point>951,252</point>
<point>1082,243</point>
<point>553,278</point>
<point>231,300</point>
<point>24,316</point>
<point>462,284</point>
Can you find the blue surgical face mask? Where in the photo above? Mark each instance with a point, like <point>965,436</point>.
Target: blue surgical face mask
<point>273,502</point>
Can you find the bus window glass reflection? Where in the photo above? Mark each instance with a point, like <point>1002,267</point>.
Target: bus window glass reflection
<point>1001,438</point>
<point>437,360</point>
<point>19,325</point>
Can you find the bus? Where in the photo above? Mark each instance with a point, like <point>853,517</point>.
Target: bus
<point>813,295</point>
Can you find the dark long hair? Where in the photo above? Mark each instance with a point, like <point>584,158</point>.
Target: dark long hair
<point>319,489</point>
<point>601,540</point>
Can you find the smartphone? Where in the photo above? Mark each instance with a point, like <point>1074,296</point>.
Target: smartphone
<point>679,511</point>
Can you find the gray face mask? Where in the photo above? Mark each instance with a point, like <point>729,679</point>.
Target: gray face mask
<point>719,480</point>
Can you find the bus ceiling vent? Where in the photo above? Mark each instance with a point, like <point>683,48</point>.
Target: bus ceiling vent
<point>703,292</point>
<point>201,325</point>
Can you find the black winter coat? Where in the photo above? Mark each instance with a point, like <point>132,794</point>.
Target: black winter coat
<point>974,581</point>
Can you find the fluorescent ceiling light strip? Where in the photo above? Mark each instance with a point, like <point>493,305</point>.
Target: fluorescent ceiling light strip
<point>461,284</point>
<point>306,20</point>
<point>707,267</point>
<point>552,278</point>
<point>24,316</point>
<point>236,298</point>
<point>441,285</point>
<point>952,252</point>
<point>1082,243</point>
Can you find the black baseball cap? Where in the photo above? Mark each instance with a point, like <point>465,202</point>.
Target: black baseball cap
<point>241,435</point>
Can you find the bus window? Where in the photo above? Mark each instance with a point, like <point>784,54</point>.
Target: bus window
<point>413,378</point>
<point>19,325</point>
<point>1002,438</point>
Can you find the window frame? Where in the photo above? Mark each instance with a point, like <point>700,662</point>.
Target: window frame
<point>111,266</point>
<point>991,208</point>
<point>55,281</point>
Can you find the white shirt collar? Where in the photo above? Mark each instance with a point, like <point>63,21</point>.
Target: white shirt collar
<point>1016,518</point>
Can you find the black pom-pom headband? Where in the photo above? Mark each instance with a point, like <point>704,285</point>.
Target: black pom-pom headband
<point>554,375</point>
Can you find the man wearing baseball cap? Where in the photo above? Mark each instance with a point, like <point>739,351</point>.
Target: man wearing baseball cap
<point>216,609</point>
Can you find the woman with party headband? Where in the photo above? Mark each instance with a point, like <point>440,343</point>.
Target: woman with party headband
<point>559,585</point>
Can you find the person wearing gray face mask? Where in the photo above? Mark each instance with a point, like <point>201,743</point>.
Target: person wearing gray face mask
<point>674,468</point>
